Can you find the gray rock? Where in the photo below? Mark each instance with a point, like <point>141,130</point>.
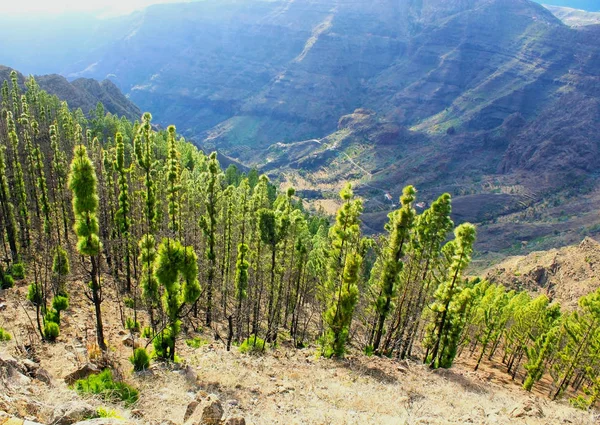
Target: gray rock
<point>72,412</point>
<point>83,372</point>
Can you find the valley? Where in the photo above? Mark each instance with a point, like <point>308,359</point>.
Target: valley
<point>301,212</point>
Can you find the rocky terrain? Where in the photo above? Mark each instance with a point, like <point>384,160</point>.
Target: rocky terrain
<point>213,386</point>
<point>84,93</point>
<point>564,274</point>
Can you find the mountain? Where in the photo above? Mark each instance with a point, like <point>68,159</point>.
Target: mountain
<point>564,274</point>
<point>494,101</point>
<point>575,17</point>
<point>84,93</point>
<point>588,5</point>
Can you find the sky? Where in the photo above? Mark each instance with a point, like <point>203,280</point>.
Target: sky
<point>59,7</point>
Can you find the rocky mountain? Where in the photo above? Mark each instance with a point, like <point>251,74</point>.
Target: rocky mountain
<point>564,274</point>
<point>84,93</point>
<point>495,101</point>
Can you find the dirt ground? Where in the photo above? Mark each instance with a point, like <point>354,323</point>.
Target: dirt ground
<point>284,386</point>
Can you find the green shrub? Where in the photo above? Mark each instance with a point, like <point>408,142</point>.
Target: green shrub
<point>131,325</point>
<point>4,335</point>
<point>140,359</point>
<point>104,386</point>
<point>17,271</point>
<point>59,303</point>
<point>7,282</point>
<point>369,351</point>
<point>52,316</point>
<point>105,412</point>
<point>34,294</point>
<point>196,342</point>
<point>51,330</point>
<point>147,332</point>
<point>253,344</point>
<point>129,302</point>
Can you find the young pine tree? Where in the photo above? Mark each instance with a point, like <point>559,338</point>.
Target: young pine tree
<point>399,227</point>
<point>343,272</point>
<point>82,182</point>
<point>443,316</point>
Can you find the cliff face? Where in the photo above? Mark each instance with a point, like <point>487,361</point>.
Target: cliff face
<point>84,93</point>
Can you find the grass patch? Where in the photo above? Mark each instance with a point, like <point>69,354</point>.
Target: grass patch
<point>253,345</point>
<point>4,335</point>
<point>104,386</point>
<point>196,342</point>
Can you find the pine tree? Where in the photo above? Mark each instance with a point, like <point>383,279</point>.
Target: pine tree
<point>175,262</point>
<point>445,294</point>
<point>399,227</point>
<point>21,193</point>
<point>83,182</point>
<point>123,213</point>
<point>242,264</point>
<point>7,210</point>
<point>342,275</point>
<point>208,223</point>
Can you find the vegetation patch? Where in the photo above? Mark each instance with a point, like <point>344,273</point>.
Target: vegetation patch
<point>104,386</point>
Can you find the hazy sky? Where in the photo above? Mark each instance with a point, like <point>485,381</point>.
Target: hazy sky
<point>57,7</point>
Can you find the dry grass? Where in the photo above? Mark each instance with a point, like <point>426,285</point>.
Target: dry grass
<point>282,387</point>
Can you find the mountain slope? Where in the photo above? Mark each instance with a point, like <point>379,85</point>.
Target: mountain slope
<point>565,274</point>
<point>84,93</point>
<point>495,101</point>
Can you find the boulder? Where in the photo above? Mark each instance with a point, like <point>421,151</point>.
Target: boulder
<point>528,409</point>
<point>189,411</point>
<point>212,413</point>
<point>83,372</point>
<point>238,420</point>
<point>72,412</point>
<point>9,362</point>
<point>44,376</point>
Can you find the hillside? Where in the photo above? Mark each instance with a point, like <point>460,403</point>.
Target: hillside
<point>285,386</point>
<point>123,242</point>
<point>84,93</point>
<point>494,101</point>
<point>564,274</point>
<point>575,17</point>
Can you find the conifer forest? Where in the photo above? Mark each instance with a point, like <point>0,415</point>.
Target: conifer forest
<point>181,243</point>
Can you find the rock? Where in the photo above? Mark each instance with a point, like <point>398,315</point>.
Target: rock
<point>189,411</point>
<point>72,412</point>
<point>43,375</point>
<point>83,372</point>
<point>3,307</point>
<point>16,378</point>
<point>233,402</point>
<point>190,375</point>
<point>212,413</point>
<point>201,395</point>
<point>129,341</point>
<point>9,362</point>
<point>137,413</point>
<point>30,365</point>
<point>235,421</point>
<point>528,408</point>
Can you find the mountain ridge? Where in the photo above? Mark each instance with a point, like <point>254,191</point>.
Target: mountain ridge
<point>84,93</point>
